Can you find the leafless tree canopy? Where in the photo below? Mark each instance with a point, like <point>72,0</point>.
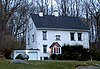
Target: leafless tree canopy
<point>13,20</point>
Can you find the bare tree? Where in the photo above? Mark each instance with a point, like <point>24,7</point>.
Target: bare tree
<point>8,7</point>
<point>63,7</point>
<point>12,21</point>
<point>47,3</point>
<point>94,11</point>
<point>19,22</point>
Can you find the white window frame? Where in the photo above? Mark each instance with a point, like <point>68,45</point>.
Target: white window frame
<point>28,41</point>
<point>58,37</point>
<point>58,50</point>
<point>79,36</point>
<point>73,36</point>
<point>44,35</point>
<point>33,37</point>
<point>44,47</point>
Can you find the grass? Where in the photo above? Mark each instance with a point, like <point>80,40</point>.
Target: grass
<point>61,64</point>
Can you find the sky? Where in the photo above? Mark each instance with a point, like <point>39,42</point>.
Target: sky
<point>54,2</point>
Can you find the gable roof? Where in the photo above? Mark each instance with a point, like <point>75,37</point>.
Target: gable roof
<point>55,44</point>
<point>61,22</point>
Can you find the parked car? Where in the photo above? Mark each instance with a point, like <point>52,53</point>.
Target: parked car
<point>22,56</point>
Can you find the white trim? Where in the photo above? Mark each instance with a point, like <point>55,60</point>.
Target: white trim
<point>61,29</point>
<point>15,52</point>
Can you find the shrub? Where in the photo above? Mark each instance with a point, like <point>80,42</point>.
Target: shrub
<point>56,56</point>
<point>74,52</point>
<point>7,44</point>
<point>8,53</point>
<point>95,55</point>
<point>53,56</point>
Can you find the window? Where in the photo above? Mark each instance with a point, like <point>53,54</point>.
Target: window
<point>57,37</point>
<point>31,25</point>
<point>45,58</point>
<point>72,36</point>
<point>44,35</point>
<point>28,41</point>
<point>57,50</point>
<point>44,48</point>
<point>79,36</point>
<point>33,38</point>
<point>28,29</point>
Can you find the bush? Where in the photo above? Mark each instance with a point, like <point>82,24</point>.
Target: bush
<point>74,52</point>
<point>7,44</point>
<point>8,53</point>
<point>66,56</point>
<point>56,56</point>
<point>95,55</point>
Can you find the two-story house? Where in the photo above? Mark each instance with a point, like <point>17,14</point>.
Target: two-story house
<point>46,34</point>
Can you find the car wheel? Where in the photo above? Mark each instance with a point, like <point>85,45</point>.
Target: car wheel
<point>22,59</point>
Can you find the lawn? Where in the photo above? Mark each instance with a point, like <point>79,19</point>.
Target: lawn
<point>5,64</point>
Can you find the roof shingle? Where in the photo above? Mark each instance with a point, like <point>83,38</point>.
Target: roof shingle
<point>63,22</point>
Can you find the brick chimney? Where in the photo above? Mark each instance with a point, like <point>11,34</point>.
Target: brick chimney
<point>41,14</point>
<point>56,13</point>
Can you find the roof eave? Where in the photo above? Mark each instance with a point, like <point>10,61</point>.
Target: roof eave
<point>61,29</point>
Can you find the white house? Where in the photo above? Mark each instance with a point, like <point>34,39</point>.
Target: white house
<point>46,34</point>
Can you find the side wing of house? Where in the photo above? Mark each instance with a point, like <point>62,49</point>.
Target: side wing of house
<point>31,35</point>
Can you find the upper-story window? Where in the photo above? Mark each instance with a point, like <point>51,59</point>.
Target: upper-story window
<point>33,38</point>
<point>32,25</point>
<point>44,35</point>
<point>44,48</point>
<point>58,37</point>
<point>28,29</point>
<point>72,36</point>
<point>28,41</point>
<point>79,36</point>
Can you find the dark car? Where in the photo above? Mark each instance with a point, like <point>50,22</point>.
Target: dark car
<point>22,56</point>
